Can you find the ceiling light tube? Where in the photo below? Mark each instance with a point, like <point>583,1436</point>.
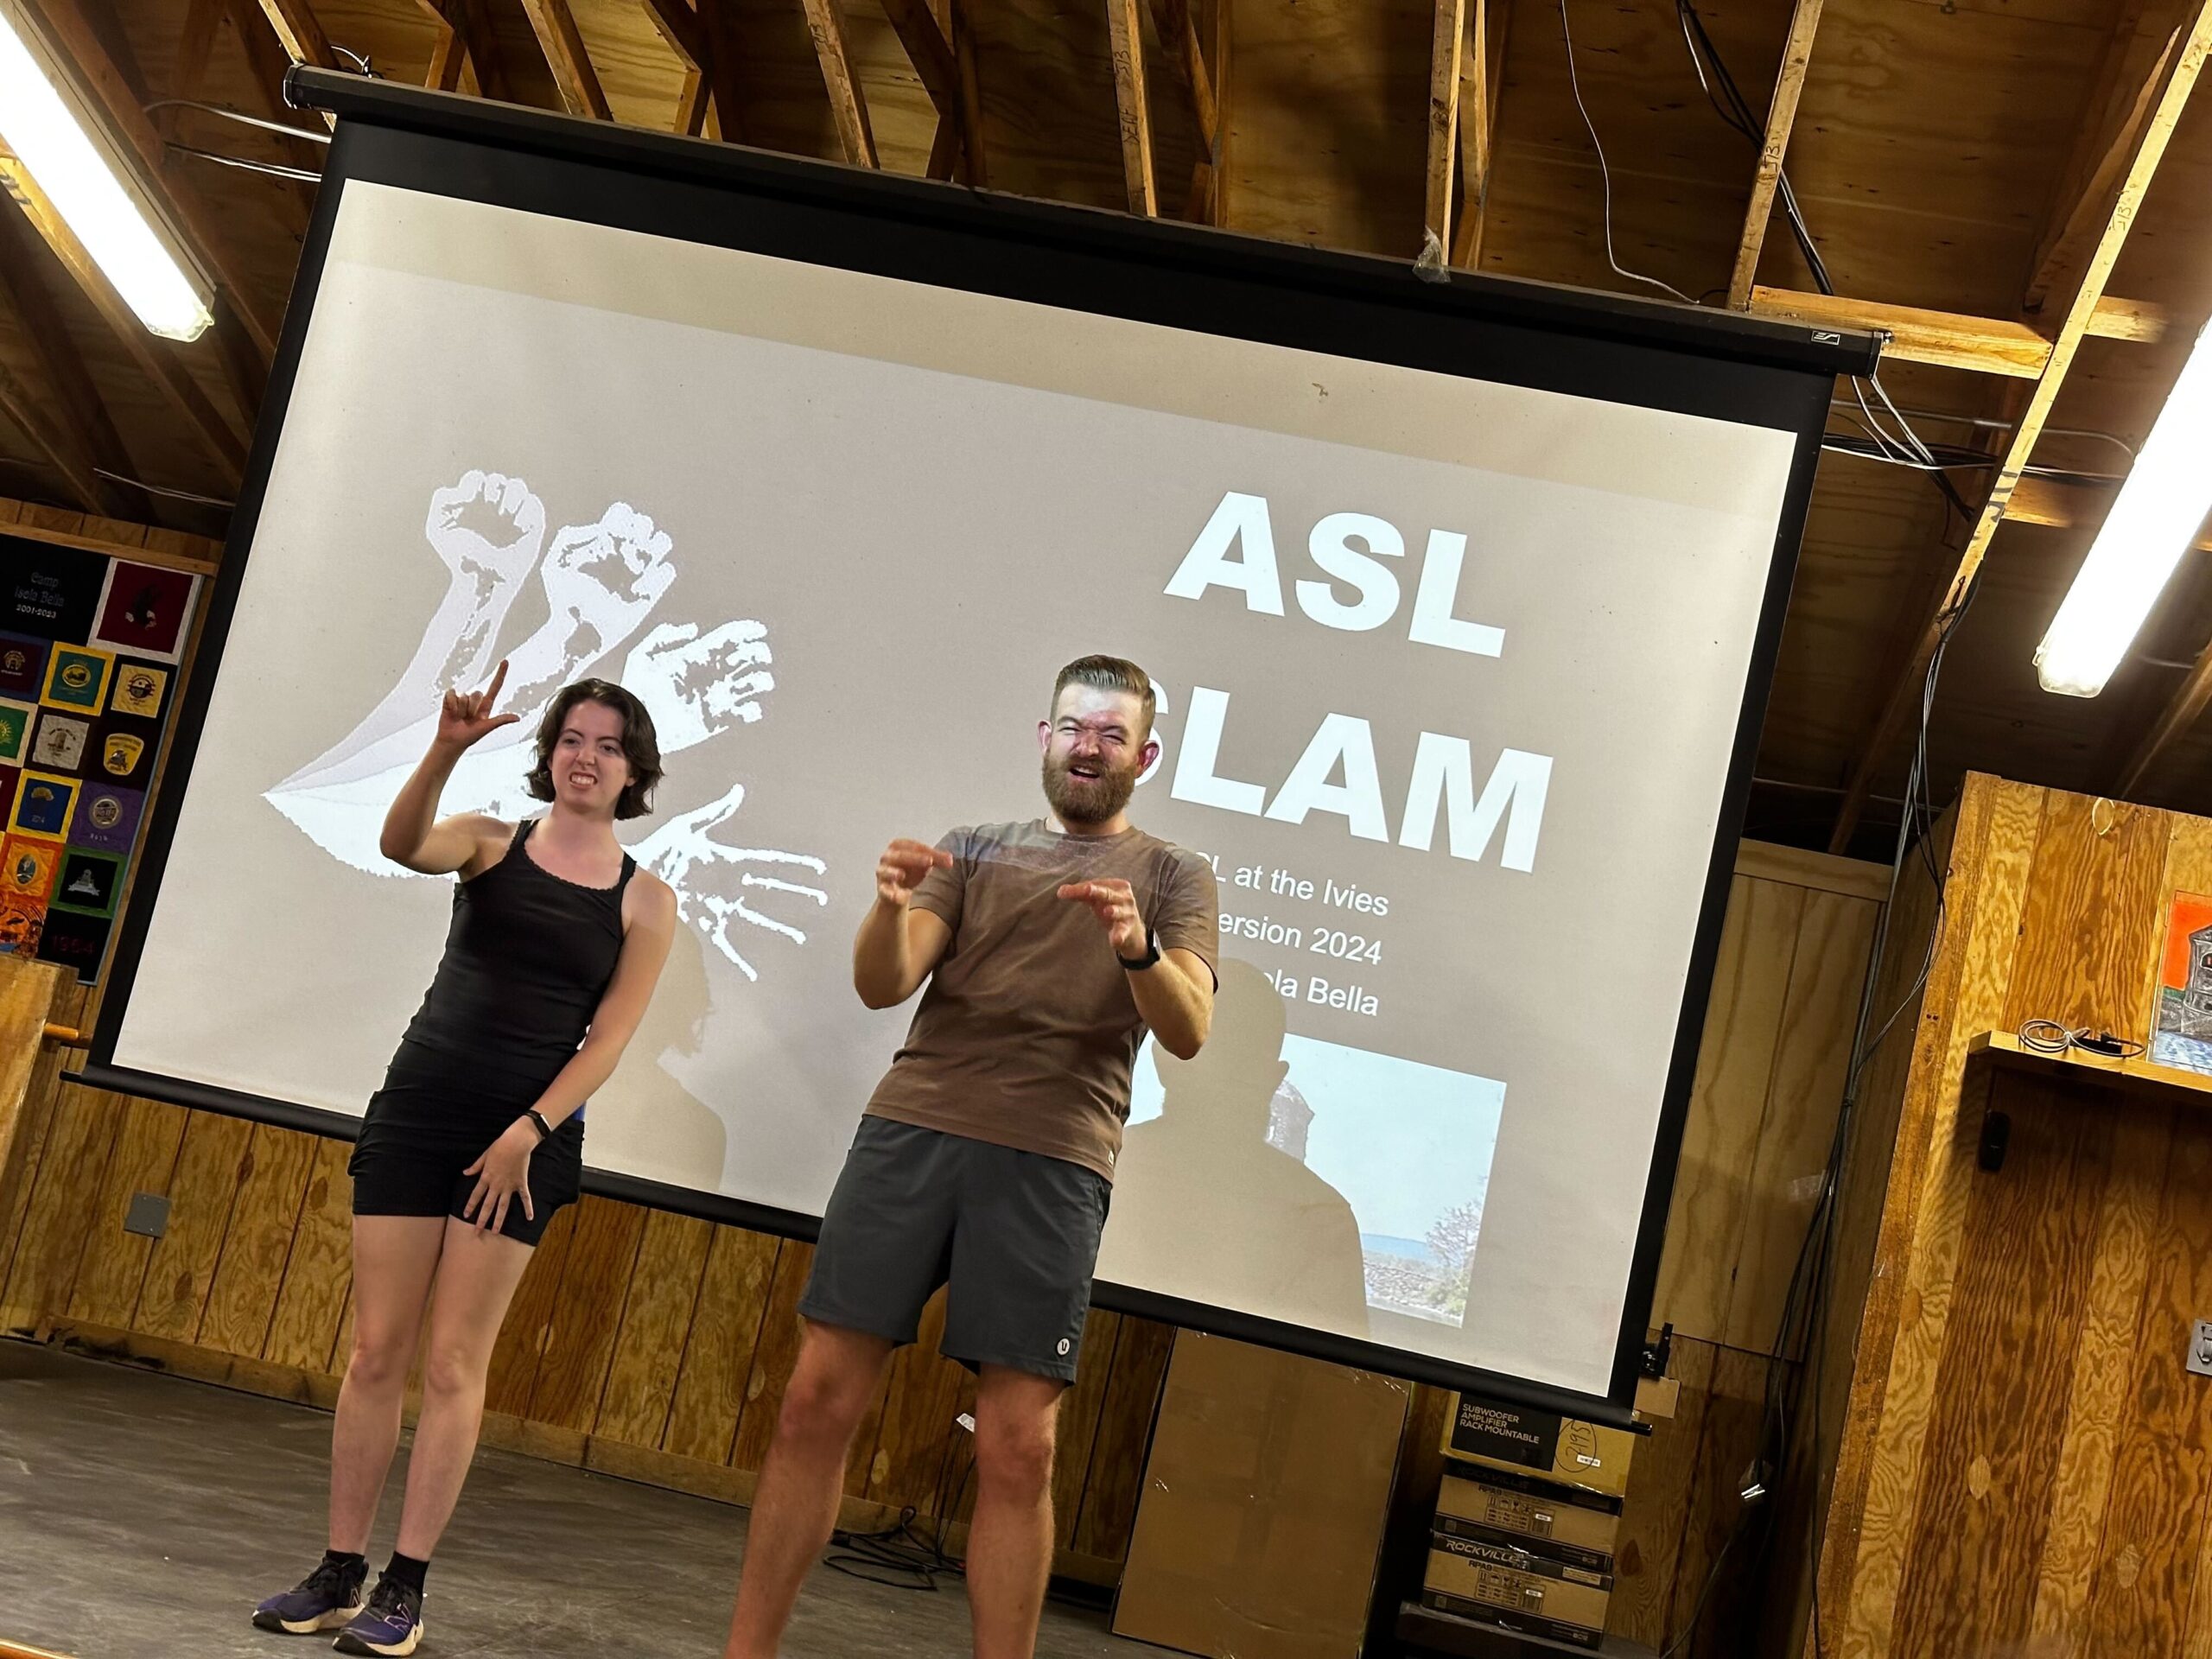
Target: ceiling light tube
<point>2154,520</point>
<point>67,152</point>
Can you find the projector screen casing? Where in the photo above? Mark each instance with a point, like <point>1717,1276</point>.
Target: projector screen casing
<point>1621,351</point>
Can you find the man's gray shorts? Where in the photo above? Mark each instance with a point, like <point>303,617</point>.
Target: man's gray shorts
<point>1014,1233</point>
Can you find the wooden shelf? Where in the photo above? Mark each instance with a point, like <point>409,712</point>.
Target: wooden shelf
<point>2005,1050</point>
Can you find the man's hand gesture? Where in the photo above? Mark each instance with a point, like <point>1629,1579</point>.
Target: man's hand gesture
<point>1116,907</point>
<point>904,866</point>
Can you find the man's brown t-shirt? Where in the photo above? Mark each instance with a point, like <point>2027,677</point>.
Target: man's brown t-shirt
<point>1028,1032</point>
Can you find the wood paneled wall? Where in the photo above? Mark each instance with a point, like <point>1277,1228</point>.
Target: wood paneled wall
<point>647,1344</point>
<point>2021,1463</point>
<point>1794,955</point>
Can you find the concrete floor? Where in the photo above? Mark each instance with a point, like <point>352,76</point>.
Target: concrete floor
<point>145,1515</point>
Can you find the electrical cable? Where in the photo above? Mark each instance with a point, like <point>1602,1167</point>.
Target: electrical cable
<point>157,489</point>
<point>1604,171</point>
<point>239,116</point>
<point>274,170</point>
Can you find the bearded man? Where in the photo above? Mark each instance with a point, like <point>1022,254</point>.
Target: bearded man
<point>986,1157</point>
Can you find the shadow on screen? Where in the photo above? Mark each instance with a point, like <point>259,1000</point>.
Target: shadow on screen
<point>1206,1176</point>
<point>644,1121</point>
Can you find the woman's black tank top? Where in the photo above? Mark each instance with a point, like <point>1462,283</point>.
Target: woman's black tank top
<point>528,957</point>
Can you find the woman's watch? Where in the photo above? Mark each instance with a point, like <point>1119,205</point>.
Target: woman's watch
<point>1138,964</point>
<point>538,1121</point>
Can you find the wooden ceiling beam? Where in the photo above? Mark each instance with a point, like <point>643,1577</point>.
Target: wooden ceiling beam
<point>465,21</point>
<point>1447,46</point>
<point>114,87</point>
<point>64,454</point>
<point>301,31</point>
<point>2179,67</point>
<point>266,57</point>
<point>560,40</point>
<point>929,51</point>
<point>1482,68</point>
<point>974,153</point>
<point>1781,116</point>
<point>75,402</point>
<point>1949,339</point>
<point>681,28</point>
<point>1186,62</point>
<point>159,359</point>
<point>2181,712</point>
<point>1125,35</point>
<point>825,23</point>
<point>718,23</point>
<point>449,57</point>
<point>2099,161</point>
<point>1222,62</point>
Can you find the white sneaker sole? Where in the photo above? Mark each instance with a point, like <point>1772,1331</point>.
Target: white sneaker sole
<point>394,1650</point>
<point>336,1619</point>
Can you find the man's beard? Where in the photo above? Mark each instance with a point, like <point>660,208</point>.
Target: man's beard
<point>1087,800</point>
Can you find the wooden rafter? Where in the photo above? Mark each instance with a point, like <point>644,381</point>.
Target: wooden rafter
<point>974,153</point>
<point>266,57</point>
<point>301,31</point>
<point>1985,344</point>
<point>686,36</point>
<point>158,358</point>
<point>64,455</point>
<point>1781,116</point>
<point>555,25</point>
<point>1481,68</point>
<point>1186,61</point>
<point>2180,713</point>
<point>465,21</point>
<point>1125,35</point>
<point>2165,98</point>
<point>113,85</point>
<point>75,403</point>
<point>928,44</point>
<point>825,23</point>
<point>2094,173</point>
<point>202,18</point>
<point>1447,44</point>
<point>448,58</point>
<point>718,22</point>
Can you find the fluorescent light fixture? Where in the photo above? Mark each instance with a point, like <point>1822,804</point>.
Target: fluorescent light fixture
<point>67,152</point>
<point>2154,520</point>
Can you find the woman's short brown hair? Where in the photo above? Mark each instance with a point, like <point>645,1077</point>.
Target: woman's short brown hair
<point>640,744</point>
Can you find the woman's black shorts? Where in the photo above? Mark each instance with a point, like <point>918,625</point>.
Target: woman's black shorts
<point>436,1115</point>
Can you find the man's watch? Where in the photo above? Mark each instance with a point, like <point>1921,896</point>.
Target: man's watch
<point>1138,964</point>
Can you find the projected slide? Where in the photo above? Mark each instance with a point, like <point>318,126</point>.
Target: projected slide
<point>1451,671</point>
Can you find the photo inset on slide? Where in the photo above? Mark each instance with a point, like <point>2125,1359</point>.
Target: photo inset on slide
<point>1369,1145</point>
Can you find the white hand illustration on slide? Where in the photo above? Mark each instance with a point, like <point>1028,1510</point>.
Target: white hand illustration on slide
<point>602,582</point>
<point>488,529</point>
<point>697,687</point>
<point>719,887</point>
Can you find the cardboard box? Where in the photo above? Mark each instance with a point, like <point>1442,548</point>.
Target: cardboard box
<point>1562,1522</point>
<point>1540,1442</point>
<point>1501,1584</point>
<point>1265,1494</point>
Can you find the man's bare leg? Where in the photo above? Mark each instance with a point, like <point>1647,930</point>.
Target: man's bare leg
<point>1010,1544</point>
<point>795,1510</point>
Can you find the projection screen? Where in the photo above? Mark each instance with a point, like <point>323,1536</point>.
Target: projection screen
<point>1462,598</point>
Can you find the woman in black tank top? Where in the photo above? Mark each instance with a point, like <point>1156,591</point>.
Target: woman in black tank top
<point>476,1138</point>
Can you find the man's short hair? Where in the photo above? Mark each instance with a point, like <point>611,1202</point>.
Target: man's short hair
<point>1111,674</point>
